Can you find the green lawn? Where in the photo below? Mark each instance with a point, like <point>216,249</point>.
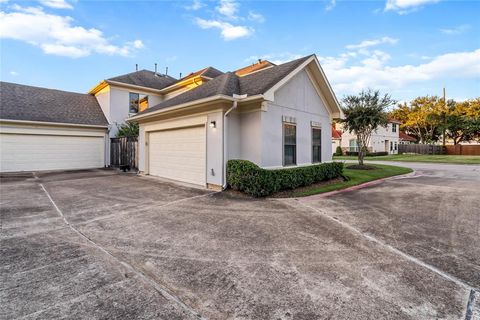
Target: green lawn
<point>419,158</point>
<point>356,177</point>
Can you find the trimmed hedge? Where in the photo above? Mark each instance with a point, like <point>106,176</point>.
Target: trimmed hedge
<point>369,154</point>
<point>338,151</point>
<point>376,154</point>
<point>245,176</point>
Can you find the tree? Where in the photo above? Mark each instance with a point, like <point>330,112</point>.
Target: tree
<point>462,120</point>
<point>364,113</point>
<point>422,118</point>
<point>128,129</point>
<point>427,117</point>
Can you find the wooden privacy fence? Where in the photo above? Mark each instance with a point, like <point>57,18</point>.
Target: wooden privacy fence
<point>464,149</point>
<point>420,148</point>
<point>124,151</point>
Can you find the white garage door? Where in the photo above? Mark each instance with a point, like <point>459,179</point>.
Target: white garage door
<point>178,154</point>
<point>25,152</point>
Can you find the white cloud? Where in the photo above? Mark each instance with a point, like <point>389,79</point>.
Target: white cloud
<point>331,5</point>
<point>196,5</point>
<point>56,4</point>
<point>137,44</point>
<point>14,73</point>
<point>373,42</point>
<point>228,31</point>
<point>349,76</point>
<point>254,16</point>
<point>455,30</point>
<point>57,35</point>
<point>228,8</point>
<point>226,18</point>
<point>406,6</point>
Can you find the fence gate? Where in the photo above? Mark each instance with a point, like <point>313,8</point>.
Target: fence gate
<point>123,151</point>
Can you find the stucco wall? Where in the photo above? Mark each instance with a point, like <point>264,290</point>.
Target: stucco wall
<point>233,136</point>
<point>119,105</point>
<point>299,99</point>
<point>251,136</point>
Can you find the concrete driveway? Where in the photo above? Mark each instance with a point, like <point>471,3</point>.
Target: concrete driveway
<point>102,245</point>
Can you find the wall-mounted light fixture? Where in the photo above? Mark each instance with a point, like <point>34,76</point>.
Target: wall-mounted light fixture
<point>213,124</point>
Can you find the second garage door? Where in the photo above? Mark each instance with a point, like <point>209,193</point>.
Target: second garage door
<point>28,152</point>
<point>179,154</point>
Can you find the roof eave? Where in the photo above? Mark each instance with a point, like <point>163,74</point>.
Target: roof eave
<point>102,84</point>
<point>216,98</point>
<point>182,83</point>
<point>49,123</point>
<point>133,86</point>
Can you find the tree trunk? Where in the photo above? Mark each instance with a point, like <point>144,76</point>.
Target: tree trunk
<point>360,156</point>
<point>360,146</point>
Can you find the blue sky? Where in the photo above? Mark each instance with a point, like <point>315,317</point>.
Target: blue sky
<point>404,47</point>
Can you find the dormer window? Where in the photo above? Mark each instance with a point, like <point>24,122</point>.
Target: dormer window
<point>138,102</point>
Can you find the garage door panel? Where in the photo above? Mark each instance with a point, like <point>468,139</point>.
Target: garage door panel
<point>50,152</point>
<point>178,154</point>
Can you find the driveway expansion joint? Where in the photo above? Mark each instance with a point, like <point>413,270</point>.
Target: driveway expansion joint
<point>155,285</point>
<point>392,249</point>
<point>471,305</point>
<point>472,290</point>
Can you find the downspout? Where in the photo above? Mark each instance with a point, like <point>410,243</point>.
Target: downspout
<point>236,98</point>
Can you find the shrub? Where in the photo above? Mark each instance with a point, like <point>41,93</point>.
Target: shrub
<point>245,176</point>
<point>376,154</point>
<point>369,154</point>
<point>338,151</point>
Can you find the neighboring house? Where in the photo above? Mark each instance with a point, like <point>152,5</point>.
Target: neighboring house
<point>273,115</point>
<point>406,139</point>
<point>336,138</point>
<point>45,129</point>
<point>384,139</point>
<point>277,116</point>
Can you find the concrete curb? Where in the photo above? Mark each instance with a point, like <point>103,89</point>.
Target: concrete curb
<point>360,186</point>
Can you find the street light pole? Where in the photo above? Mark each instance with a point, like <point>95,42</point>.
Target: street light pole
<point>444,116</point>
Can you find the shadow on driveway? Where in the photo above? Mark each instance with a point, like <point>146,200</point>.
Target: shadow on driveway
<point>221,256</point>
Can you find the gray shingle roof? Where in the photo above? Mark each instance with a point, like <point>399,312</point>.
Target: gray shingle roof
<point>21,102</point>
<point>211,72</point>
<point>145,78</point>
<point>229,84</point>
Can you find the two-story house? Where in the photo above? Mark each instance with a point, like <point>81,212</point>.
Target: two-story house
<point>384,139</point>
<point>273,115</point>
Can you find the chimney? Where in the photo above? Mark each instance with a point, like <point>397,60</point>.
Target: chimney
<point>259,60</point>
<point>166,71</point>
<point>180,76</point>
<point>155,68</point>
<point>136,66</point>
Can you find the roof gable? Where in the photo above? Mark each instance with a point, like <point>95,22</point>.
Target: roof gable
<point>262,82</point>
<point>145,78</point>
<point>261,64</point>
<point>27,103</point>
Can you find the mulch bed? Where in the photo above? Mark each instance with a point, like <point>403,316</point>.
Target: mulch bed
<point>359,167</point>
